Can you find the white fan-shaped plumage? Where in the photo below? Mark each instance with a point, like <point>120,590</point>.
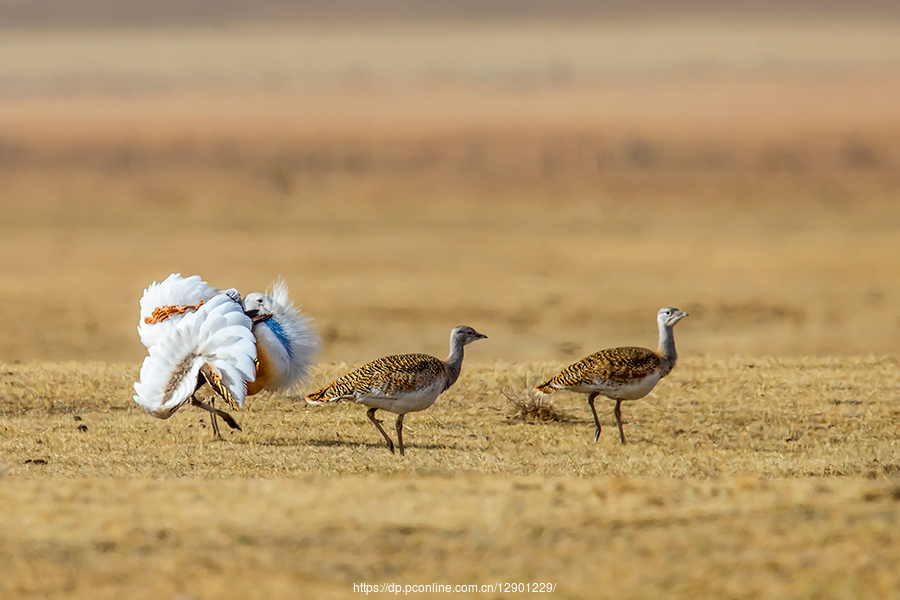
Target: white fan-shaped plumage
<point>165,304</point>
<point>216,335</point>
<point>286,340</point>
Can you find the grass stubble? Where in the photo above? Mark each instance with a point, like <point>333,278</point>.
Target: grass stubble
<point>746,477</point>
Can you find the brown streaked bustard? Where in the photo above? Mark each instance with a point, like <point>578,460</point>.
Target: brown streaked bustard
<point>400,383</point>
<point>626,373</point>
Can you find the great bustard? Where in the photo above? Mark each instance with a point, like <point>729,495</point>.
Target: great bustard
<point>400,383</point>
<point>197,334</point>
<point>625,373</point>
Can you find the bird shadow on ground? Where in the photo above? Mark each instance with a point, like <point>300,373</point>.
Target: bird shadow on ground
<point>332,443</point>
<point>278,441</point>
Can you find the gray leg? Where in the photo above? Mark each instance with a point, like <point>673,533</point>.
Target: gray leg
<point>371,415</point>
<point>213,411</point>
<point>400,433</point>
<point>618,412</point>
<point>596,418</point>
<point>215,421</point>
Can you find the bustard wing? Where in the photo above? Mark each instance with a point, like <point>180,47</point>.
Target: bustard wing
<point>614,365</point>
<point>163,305</point>
<point>217,338</point>
<point>386,377</point>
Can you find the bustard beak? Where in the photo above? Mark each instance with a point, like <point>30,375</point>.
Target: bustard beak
<point>255,317</point>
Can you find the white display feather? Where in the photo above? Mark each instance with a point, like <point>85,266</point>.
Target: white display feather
<point>218,333</point>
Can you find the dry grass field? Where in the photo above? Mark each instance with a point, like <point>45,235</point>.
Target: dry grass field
<point>743,478</point>
<point>549,184</point>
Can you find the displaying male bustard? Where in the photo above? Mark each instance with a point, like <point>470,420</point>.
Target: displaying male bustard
<point>400,383</point>
<point>621,374</point>
<point>197,335</point>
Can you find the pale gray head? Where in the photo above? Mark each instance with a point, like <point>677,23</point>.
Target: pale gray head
<point>465,334</point>
<point>667,317</point>
<point>259,307</point>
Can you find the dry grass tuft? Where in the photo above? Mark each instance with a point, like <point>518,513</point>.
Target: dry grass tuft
<point>532,407</point>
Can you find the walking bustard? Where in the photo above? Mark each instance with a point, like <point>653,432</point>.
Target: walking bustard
<point>626,373</point>
<point>401,383</point>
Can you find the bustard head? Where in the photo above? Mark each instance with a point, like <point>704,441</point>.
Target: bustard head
<point>465,335</point>
<point>667,317</point>
<point>259,307</point>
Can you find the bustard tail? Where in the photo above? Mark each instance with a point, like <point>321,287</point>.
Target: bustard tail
<point>546,388</point>
<point>215,339</point>
<point>326,394</point>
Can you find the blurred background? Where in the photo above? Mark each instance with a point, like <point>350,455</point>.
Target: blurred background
<point>550,173</point>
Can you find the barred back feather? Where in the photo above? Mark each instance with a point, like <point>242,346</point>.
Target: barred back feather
<point>618,366</point>
<point>388,376</point>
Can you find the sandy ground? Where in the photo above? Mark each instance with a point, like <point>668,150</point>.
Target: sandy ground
<point>748,478</point>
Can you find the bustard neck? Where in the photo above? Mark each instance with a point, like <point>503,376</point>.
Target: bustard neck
<point>666,350</point>
<point>454,360</point>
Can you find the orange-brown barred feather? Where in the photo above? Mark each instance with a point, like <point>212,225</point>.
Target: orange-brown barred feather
<point>391,374</point>
<point>162,313</point>
<point>617,365</point>
<point>215,380</point>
